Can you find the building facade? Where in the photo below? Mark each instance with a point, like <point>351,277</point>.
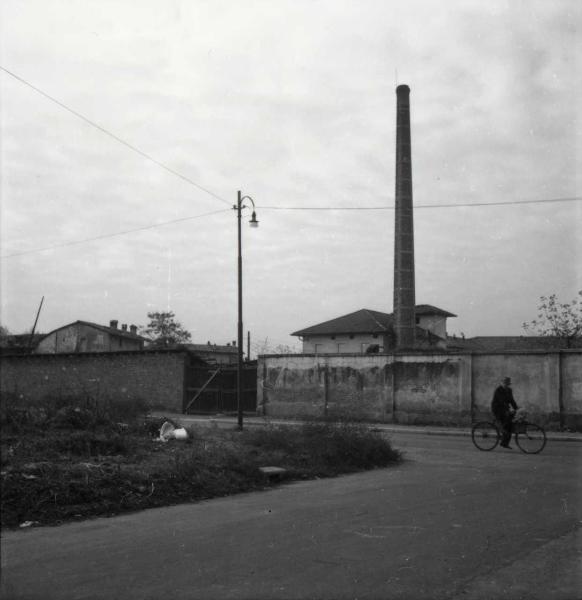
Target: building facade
<point>83,336</point>
<point>371,331</point>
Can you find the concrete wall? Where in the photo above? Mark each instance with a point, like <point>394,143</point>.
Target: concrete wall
<point>432,388</point>
<point>535,381</point>
<point>571,390</point>
<point>157,378</point>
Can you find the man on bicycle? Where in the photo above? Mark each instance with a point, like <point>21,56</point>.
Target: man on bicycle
<point>503,407</point>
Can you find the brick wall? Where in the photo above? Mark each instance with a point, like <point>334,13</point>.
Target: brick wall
<point>157,378</point>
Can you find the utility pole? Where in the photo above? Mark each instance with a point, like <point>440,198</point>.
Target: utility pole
<point>34,326</point>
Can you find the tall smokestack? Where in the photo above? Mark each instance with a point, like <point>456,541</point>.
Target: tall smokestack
<point>404,296</point>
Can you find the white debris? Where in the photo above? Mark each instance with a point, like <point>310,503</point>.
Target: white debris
<point>169,432</point>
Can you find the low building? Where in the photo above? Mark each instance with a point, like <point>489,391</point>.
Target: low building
<point>83,336</point>
<point>513,343</point>
<point>215,353</point>
<point>22,343</point>
<point>366,331</point>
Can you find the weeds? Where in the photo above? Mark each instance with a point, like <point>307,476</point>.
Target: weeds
<point>68,460</point>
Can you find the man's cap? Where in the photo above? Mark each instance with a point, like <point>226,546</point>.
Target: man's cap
<point>507,380</point>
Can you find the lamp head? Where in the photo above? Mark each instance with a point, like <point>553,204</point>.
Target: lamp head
<point>253,222</point>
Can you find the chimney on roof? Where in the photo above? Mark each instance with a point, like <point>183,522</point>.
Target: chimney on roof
<point>124,327</point>
<point>234,343</point>
<point>133,329</point>
<point>404,293</point>
<point>113,324</point>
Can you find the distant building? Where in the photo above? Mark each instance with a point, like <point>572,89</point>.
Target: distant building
<point>372,331</point>
<point>22,343</point>
<point>502,343</point>
<point>214,353</point>
<point>83,336</point>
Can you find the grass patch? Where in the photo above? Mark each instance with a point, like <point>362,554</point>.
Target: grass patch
<point>59,472</point>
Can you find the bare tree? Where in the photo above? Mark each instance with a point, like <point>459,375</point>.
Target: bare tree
<point>267,347</point>
<point>562,320</point>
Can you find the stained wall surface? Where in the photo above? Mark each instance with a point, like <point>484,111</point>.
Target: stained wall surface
<point>421,389</point>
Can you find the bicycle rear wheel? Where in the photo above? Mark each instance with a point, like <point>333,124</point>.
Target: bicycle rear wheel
<point>485,435</point>
<point>531,439</point>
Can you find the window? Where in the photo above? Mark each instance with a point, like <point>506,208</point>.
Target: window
<point>341,348</point>
<point>317,348</point>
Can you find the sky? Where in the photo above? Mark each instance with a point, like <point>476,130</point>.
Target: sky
<point>127,129</point>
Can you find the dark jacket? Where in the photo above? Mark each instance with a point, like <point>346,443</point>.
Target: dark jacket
<point>502,402</point>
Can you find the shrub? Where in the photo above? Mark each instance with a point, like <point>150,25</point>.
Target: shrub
<point>69,412</point>
<point>323,447</point>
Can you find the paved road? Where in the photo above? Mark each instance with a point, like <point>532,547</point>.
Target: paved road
<point>451,522</point>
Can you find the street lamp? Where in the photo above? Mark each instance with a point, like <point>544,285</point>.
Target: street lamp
<point>239,374</point>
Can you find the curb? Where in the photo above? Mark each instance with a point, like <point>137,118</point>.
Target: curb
<point>257,422</point>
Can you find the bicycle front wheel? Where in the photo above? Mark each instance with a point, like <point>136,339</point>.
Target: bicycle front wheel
<point>531,439</point>
<point>485,436</point>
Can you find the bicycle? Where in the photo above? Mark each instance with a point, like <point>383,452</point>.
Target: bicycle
<point>529,437</point>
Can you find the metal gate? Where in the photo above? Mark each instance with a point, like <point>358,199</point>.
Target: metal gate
<point>212,390</point>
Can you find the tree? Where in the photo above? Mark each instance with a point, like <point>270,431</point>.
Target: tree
<point>164,331</point>
<point>558,319</point>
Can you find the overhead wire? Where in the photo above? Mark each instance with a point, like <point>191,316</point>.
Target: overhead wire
<point>296,208</point>
<point>118,233</point>
<point>115,137</point>
<point>202,188</point>
<point>465,205</point>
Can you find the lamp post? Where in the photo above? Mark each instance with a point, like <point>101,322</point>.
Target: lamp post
<point>239,374</point>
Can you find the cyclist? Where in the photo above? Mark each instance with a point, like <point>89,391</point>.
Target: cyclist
<point>503,407</point>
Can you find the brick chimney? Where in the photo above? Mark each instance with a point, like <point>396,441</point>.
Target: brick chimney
<point>404,293</point>
<point>133,329</point>
<point>113,324</point>
<point>124,327</point>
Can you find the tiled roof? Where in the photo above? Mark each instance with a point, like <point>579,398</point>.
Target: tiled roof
<point>428,309</point>
<point>365,321</point>
<point>502,343</point>
<point>361,321</point>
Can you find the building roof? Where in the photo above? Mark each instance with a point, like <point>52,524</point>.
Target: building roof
<point>365,321</point>
<point>428,309</point>
<point>212,348</point>
<point>361,321</point>
<point>110,330</point>
<point>489,343</point>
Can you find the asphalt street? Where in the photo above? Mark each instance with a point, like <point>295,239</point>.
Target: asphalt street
<point>450,522</point>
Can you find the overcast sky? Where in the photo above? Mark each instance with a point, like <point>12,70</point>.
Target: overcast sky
<point>293,102</point>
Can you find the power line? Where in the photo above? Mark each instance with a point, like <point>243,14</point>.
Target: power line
<point>317,208</point>
<point>115,137</point>
<point>110,235</point>
<point>475,204</point>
